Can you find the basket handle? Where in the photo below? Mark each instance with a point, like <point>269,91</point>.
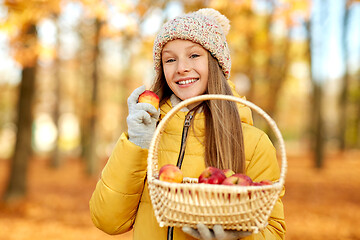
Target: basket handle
<point>152,165</point>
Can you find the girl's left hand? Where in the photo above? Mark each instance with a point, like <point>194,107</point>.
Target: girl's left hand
<point>218,233</point>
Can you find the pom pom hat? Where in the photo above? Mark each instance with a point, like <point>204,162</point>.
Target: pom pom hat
<point>206,27</point>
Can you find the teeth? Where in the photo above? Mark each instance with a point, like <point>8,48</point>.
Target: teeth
<point>187,81</point>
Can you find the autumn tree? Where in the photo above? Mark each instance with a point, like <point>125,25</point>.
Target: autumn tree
<point>56,156</point>
<point>20,24</point>
<point>316,54</point>
<point>348,123</point>
<point>17,182</point>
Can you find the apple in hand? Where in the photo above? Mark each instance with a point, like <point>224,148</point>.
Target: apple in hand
<point>212,175</point>
<point>149,97</point>
<point>170,173</point>
<point>228,172</point>
<point>238,179</point>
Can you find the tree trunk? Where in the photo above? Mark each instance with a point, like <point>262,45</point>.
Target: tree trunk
<point>16,187</point>
<point>316,52</point>
<point>353,118</point>
<point>318,126</point>
<point>343,119</point>
<point>56,158</point>
<point>250,67</point>
<point>356,127</point>
<point>91,156</point>
<point>278,66</point>
<point>357,118</point>
<point>276,71</point>
<point>86,60</point>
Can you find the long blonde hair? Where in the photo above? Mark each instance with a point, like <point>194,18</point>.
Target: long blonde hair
<point>224,144</point>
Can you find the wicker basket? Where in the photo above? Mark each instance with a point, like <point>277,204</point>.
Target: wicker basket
<point>188,203</point>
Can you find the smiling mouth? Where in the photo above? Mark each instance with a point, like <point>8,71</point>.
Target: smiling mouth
<point>187,81</point>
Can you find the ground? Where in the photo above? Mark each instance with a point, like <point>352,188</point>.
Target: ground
<point>319,204</point>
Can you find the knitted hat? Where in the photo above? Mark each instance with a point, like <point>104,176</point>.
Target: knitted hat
<point>206,27</point>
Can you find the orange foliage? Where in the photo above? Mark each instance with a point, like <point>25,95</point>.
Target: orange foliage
<point>95,9</point>
<point>291,8</point>
<point>22,16</point>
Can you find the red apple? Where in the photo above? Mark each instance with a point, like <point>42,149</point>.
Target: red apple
<point>212,175</point>
<point>230,181</point>
<point>170,173</point>
<point>149,97</point>
<point>266,182</point>
<point>228,172</point>
<point>256,184</point>
<point>238,179</point>
<point>261,183</point>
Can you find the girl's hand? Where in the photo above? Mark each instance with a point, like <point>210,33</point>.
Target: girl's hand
<point>218,233</point>
<point>141,120</point>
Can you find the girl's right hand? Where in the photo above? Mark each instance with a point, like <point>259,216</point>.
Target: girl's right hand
<point>141,120</point>
<point>217,233</point>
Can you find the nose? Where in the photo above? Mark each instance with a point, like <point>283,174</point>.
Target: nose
<point>183,66</point>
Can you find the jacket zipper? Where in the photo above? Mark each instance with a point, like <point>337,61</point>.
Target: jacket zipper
<point>186,126</point>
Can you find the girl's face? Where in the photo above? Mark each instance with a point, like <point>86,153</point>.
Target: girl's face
<point>186,70</point>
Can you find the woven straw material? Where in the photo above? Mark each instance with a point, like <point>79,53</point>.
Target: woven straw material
<point>188,203</point>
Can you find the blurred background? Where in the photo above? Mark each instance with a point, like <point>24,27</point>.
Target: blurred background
<point>68,66</point>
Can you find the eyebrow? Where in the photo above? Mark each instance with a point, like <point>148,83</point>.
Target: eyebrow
<point>188,47</point>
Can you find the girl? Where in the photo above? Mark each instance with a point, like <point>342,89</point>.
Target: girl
<point>191,58</point>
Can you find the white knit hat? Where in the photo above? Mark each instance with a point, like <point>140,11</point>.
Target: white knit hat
<point>206,27</point>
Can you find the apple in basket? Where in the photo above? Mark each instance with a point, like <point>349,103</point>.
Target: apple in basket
<point>149,97</point>
<point>238,179</point>
<point>170,173</point>
<point>212,175</point>
<point>266,182</point>
<point>256,184</point>
<point>228,172</point>
<point>262,183</point>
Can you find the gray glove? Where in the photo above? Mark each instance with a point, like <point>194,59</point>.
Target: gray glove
<point>217,233</point>
<point>141,120</point>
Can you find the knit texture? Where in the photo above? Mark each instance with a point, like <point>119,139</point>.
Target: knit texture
<point>206,27</point>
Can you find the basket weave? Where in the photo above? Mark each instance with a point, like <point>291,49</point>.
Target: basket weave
<point>188,203</point>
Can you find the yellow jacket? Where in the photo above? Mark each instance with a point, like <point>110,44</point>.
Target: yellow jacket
<point>121,199</point>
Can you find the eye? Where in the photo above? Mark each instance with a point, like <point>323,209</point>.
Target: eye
<point>170,60</point>
<point>194,55</point>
